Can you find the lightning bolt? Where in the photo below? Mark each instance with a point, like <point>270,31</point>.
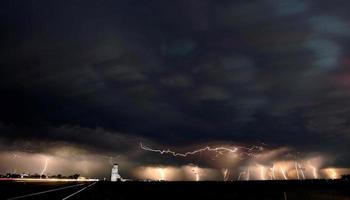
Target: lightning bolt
<point>226,174</point>
<point>240,174</point>
<point>284,170</point>
<point>196,173</point>
<point>262,172</point>
<point>45,166</point>
<point>283,173</point>
<point>248,174</point>
<point>218,150</point>
<point>296,169</point>
<point>273,172</point>
<point>161,174</point>
<point>314,171</point>
<point>302,171</point>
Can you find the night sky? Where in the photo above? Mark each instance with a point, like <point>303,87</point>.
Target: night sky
<point>84,82</point>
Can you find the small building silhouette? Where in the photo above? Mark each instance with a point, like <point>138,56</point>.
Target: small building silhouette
<point>115,174</point>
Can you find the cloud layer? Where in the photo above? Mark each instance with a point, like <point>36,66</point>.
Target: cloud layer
<point>105,76</point>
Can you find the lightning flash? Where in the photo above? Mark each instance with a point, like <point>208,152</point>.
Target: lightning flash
<point>45,166</point>
<point>221,150</point>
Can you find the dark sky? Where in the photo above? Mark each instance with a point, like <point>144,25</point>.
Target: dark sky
<point>105,75</point>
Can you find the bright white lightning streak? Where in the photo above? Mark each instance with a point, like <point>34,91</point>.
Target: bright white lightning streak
<point>195,171</point>
<point>273,172</point>
<point>262,172</point>
<point>283,173</point>
<point>302,171</point>
<point>239,176</point>
<point>297,170</point>
<point>161,174</point>
<point>45,167</point>
<point>219,150</point>
<point>314,172</point>
<point>226,173</point>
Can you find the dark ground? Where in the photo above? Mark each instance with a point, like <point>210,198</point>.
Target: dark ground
<point>15,189</point>
<point>294,190</point>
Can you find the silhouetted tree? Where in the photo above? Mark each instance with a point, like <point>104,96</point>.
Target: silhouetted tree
<point>35,176</point>
<point>74,176</point>
<point>345,177</point>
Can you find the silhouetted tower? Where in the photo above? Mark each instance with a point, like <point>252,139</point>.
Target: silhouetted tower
<point>115,175</point>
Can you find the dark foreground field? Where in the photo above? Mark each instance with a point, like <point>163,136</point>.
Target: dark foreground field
<point>298,190</point>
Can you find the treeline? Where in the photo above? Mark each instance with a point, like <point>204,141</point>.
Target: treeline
<point>346,177</point>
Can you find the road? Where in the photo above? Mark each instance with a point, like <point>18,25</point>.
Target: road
<point>269,190</point>
<point>52,191</point>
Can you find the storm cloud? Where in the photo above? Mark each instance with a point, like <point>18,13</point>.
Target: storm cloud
<point>105,76</point>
